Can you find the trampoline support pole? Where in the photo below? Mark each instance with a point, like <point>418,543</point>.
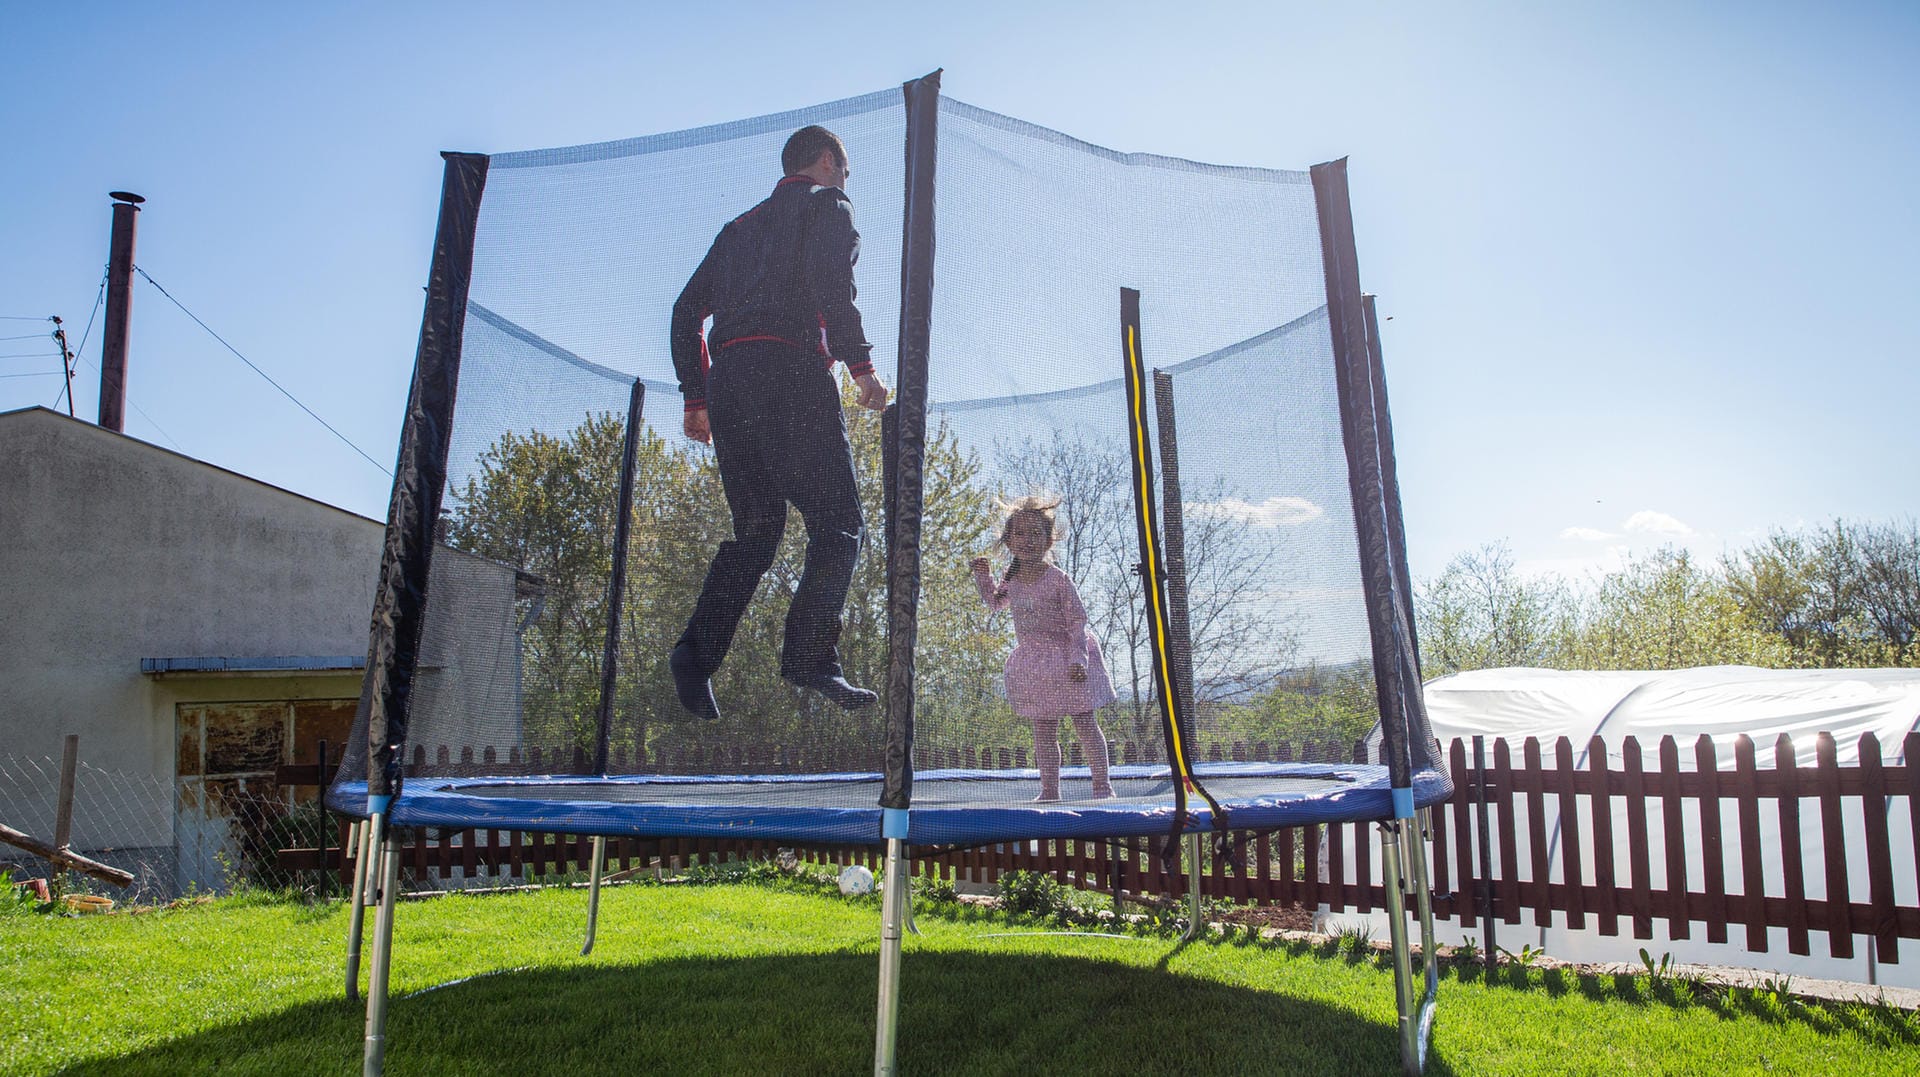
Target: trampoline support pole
<point>1393,877</point>
<point>893,910</point>
<point>357,907</point>
<point>1423,906</point>
<point>1194,923</point>
<point>593,891</point>
<point>375,1056</point>
<point>906,885</point>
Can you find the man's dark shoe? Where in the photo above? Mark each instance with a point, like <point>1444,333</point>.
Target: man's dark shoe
<point>835,687</point>
<point>691,684</point>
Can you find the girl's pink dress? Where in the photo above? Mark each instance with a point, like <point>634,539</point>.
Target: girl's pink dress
<point>1050,634</point>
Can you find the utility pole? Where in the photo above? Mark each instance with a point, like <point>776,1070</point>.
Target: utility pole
<point>66,358</point>
<point>113,344</point>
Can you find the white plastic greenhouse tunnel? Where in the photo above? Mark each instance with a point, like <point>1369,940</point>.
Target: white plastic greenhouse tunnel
<point>1724,703</point>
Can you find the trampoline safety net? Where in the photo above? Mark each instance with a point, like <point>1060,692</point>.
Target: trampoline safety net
<point>538,659</point>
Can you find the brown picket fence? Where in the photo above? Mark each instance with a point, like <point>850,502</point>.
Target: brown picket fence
<point>1681,811</point>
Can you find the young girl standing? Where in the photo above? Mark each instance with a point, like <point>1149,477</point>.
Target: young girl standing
<point>1056,668</point>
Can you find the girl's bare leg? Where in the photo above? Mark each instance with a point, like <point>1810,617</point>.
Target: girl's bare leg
<point>1093,742</point>
<point>1046,754</point>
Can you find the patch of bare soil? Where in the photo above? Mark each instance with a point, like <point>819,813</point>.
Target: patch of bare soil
<point>1274,917</point>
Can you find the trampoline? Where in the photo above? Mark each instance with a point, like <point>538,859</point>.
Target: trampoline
<point>1228,517</point>
<point>950,807</point>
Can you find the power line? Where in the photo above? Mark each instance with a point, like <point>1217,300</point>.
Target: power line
<point>23,317</point>
<point>29,336</point>
<point>283,392</point>
<point>171,440</point>
<point>34,374</point>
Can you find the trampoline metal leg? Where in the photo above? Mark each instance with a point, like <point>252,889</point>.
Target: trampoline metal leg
<point>593,892</point>
<point>357,906</point>
<point>375,1056</point>
<point>906,884</point>
<point>1423,906</point>
<point>1390,864</point>
<point>1194,924</point>
<point>893,906</point>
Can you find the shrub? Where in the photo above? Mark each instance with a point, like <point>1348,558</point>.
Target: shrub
<point>1036,894</point>
<point>936,891</point>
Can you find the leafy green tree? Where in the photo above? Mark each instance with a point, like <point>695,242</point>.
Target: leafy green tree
<point>1664,611</point>
<point>547,504</point>
<point>1319,712</point>
<point>1845,595</point>
<point>1480,613</point>
<point>1774,583</point>
<point>539,503</point>
<point>1890,588</point>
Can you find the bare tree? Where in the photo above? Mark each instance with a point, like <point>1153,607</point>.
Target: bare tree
<point>1244,626</point>
<point>1888,567</point>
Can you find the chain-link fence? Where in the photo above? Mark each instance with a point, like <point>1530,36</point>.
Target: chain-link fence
<point>122,820</point>
<point>200,836</point>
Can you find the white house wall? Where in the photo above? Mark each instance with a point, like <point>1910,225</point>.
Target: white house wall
<point>113,550</point>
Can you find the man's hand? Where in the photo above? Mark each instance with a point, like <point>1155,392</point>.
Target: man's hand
<point>873,395</point>
<point>696,426</point>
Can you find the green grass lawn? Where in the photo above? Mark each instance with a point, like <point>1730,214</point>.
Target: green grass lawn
<point>750,979</point>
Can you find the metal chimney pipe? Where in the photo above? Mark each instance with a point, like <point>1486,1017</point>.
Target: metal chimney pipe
<point>113,346</point>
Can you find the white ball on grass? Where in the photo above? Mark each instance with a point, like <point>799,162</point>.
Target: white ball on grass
<point>855,879</point>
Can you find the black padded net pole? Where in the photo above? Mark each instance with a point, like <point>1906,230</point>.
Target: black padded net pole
<point>909,435</point>
<point>1396,679</point>
<point>1173,531</point>
<point>1179,617</point>
<point>617,582</point>
<point>413,514</point>
<point>1152,566</point>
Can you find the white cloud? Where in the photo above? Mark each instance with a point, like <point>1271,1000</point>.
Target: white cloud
<point>1657,523</point>
<point>1585,534</point>
<point>1273,512</point>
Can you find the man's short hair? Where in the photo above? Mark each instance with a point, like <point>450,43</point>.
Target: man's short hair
<point>804,148</point>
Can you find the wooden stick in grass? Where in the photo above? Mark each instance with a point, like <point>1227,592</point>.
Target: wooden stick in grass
<point>65,857</point>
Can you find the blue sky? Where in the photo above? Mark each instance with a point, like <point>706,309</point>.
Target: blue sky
<point>1650,267</point>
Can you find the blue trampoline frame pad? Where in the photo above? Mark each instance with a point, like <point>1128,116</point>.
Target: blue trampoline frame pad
<point>951,807</point>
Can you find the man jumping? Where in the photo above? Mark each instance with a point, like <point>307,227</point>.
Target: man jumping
<point>778,284</point>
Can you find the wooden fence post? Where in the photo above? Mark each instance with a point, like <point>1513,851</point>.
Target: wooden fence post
<point>321,881</point>
<point>1833,838</point>
<point>1570,865</point>
<point>1608,918</point>
<point>1713,861</point>
<point>63,804</point>
<point>1673,835</point>
<point>1483,875</point>
<point>1746,796</point>
<point>1639,857</point>
<point>1541,888</point>
<point>1466,886</point>
<point>1873,801</point>
<point>1786,773</point>
<point>1507,891</point>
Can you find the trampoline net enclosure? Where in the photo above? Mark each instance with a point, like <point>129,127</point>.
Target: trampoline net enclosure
<point>1293,569</point>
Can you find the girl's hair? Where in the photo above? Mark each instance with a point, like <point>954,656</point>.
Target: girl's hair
<point>1032,506</point>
